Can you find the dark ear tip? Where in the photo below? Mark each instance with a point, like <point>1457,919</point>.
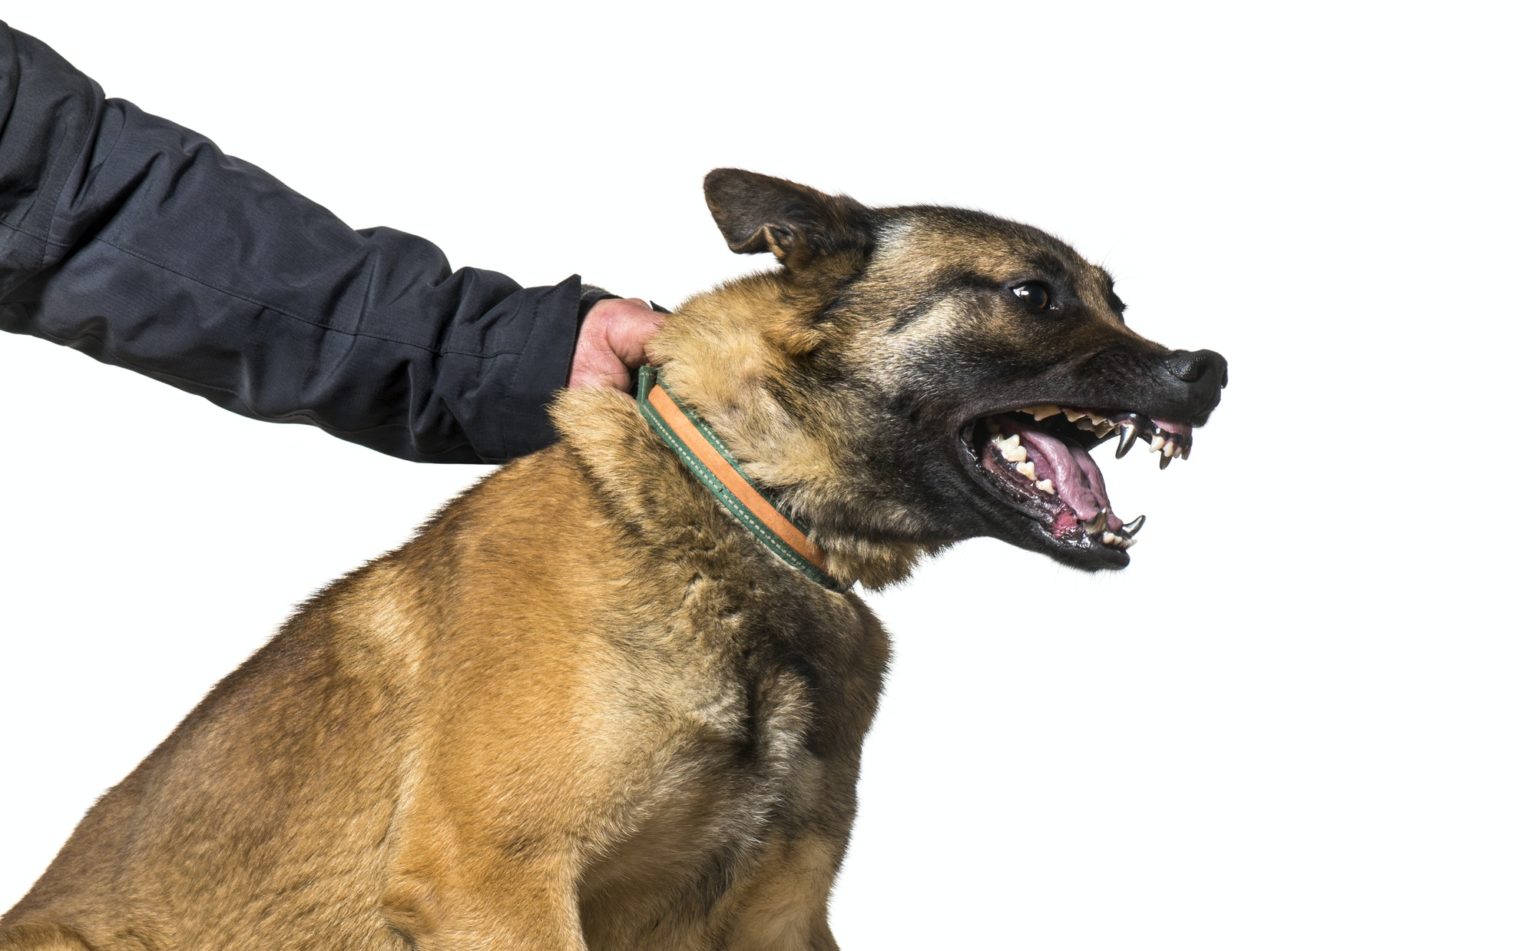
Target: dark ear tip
<point>717,195</point>
<point>722,181</point>
<point>717,175</point>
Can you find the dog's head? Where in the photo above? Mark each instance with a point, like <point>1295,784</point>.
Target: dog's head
<point>914,376</point>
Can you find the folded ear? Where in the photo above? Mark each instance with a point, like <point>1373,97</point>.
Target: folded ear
<point>798,224</point>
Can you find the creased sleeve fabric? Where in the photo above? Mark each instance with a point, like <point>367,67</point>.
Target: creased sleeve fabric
<point>140,243</point>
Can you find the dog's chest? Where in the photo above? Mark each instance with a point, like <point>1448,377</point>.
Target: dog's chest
<point>755,739</point>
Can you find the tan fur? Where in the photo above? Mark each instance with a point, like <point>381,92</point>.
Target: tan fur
<point>525,724</point>
<point>530,713</point>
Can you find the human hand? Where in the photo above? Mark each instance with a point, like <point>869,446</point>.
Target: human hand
<point>612,343</point>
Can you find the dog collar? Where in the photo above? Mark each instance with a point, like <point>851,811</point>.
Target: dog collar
<point>691,439</point>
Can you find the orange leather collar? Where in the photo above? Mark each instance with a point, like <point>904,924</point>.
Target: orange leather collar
<point>700,449</point>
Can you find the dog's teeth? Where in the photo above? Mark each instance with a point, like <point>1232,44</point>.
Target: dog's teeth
<point>1010,448</point>
<point>1127,439</point>
<point>1127,542</point>
<point>1046,486</point>
<point>1133,526</point>
<point>1157,443</point>
<point>1044,411</point>
<point>1073,415</point>
<point>1170,447</point>
<point>1026,469</point>
<point>1097,523</point>
<point>1110,538</point>
<point>1092,422</point>
<point>1162,462</point>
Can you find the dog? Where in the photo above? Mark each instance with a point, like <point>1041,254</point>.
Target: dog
<point>613,697</point>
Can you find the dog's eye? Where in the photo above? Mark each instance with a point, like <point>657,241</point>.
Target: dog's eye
<point>1035,295</point>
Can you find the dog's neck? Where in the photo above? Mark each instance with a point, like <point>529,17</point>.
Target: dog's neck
<point>710,462</point>
<point>719,352</point>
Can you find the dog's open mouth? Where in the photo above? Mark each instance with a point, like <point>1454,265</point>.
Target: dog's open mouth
<point>1036,458</point>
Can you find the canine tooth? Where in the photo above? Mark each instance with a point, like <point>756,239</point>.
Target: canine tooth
<point>1128,433</point>
<point>1046,486</point>
<point>1162,463</point>
<point>1026,469</point>
<point>1044,411</point>
<point>1133,526</point>
<point>1098,523</point>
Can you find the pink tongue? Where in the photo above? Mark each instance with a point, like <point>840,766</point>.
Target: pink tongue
<point>1090,469</point>
<point>1073,472</point>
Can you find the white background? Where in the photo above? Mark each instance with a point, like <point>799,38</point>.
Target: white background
<point>1303,718</point>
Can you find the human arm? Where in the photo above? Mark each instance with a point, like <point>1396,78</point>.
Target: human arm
<point>138,242</point>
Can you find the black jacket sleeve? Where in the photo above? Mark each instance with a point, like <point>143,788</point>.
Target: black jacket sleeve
<point>140,243</point>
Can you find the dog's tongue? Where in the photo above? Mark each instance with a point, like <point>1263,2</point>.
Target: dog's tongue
<point>1073,472</point>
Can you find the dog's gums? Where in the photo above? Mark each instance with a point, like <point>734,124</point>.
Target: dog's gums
<point>1039,457</point>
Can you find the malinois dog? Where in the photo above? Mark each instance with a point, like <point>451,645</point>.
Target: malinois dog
<point>613,697</point>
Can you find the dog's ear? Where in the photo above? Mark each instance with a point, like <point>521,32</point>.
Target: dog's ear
<point>759,213</point>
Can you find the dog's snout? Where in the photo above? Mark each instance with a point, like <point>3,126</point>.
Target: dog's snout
<point>1197,366</point>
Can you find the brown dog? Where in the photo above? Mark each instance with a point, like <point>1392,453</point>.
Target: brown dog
<point>614,696</point>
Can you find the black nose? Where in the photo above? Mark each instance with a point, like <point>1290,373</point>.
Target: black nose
<point>1200,365</point>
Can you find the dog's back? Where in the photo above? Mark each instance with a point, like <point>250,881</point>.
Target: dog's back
<point>270,802</point>
<point>271,810</point>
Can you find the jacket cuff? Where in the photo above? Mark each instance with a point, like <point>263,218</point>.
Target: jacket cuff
<point>536,373</point>
<point>590,295</point>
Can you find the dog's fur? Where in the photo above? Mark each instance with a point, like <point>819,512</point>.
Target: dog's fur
<point>583,708</point>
